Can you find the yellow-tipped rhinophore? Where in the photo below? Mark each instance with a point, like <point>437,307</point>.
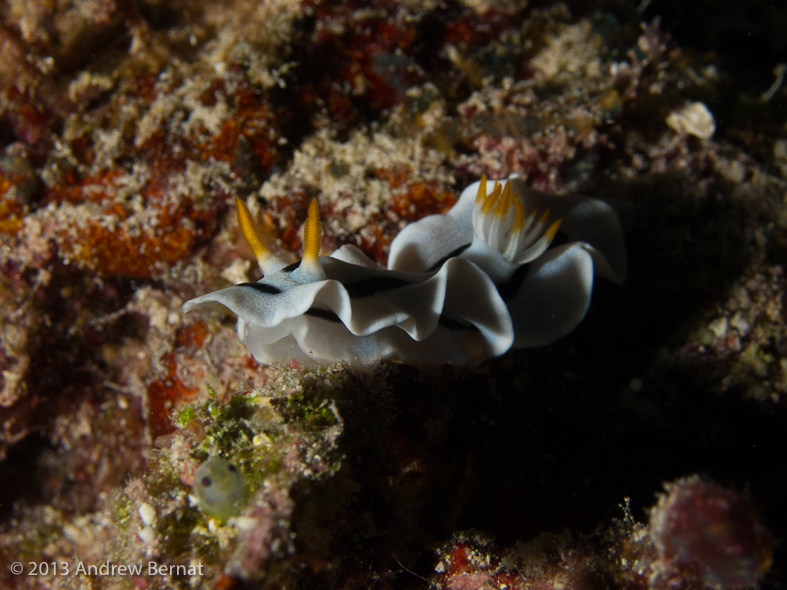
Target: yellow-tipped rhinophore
<point>310,269</point>
<point>312,234</point>
<point>251,234</point>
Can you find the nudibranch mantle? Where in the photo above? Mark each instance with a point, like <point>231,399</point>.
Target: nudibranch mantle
<point>460,287</point>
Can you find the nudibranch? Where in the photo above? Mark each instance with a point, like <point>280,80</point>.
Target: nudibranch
<point>460,287</point>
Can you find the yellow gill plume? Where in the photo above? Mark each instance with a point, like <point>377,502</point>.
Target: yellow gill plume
<point>531,243</point>
<point>484,203</point>
<point>499,219</point>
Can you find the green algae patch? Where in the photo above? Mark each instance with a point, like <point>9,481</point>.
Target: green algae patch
<point>225,479</point>
<point>227,426</point>
<point>186,415</point>
<point>311,411</point>
<point>122,507</point>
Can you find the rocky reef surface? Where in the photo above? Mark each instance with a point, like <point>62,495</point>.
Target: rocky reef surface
<point>644,450</point>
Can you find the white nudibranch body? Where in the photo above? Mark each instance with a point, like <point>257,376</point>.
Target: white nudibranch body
<point>460,287</point>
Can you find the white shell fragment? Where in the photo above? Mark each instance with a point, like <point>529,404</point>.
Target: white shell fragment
<point>460,287</point>
<point>693,118</point>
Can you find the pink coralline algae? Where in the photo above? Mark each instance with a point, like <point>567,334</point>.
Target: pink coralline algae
<point>701,535</point>
<point>711,532</point>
